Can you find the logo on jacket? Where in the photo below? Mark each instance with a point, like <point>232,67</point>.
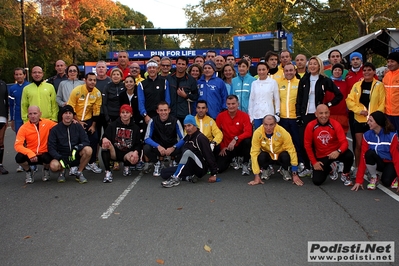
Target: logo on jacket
<point>324,137</point>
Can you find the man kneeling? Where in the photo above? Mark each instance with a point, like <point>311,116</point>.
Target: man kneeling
<point>196,159</point>
<point>121,142</point>
<point>69,145</point>
<point>272,144</point>
<point>31,144</point>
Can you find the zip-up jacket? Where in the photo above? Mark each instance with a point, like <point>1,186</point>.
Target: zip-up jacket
<point>241,86</point>
<point>214,92</point>
<point>288,90</point>
<point>264,98</point>
<point>340,108</point>
<point>124,137</point>
<point>32,139</point>
<point>391,83</point>
<point>86,104</point>
<point>110,102</point>
<point>199,145</point>
<point>165,133</point>
<point>151,92</point>
<point>63,139</point>
<point>15,100</point>
<point>323,84</point>
<point>280,141</point>
<point>179,106</point>
<point>321,140</point>
<point>43,96</point>
<point>209,128</point>
<point>385,145</point>
<point>64,90</point>
<point>377,100</point>
<point>238,126</point>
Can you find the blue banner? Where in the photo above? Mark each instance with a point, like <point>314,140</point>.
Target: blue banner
<point>146,54</point>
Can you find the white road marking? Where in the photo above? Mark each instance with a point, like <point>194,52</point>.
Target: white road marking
<point>119,200</point>
<point>389,192</point>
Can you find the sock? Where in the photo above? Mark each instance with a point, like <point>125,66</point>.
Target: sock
<point>372,169</point>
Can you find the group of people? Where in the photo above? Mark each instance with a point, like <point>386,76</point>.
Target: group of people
<point>209,116</point>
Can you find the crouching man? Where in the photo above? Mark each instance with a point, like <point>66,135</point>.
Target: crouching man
<point>272,144</point>
<point>31,144</point>
<point>196,159</point>
<point>69,145</point>
<point>121,142</point>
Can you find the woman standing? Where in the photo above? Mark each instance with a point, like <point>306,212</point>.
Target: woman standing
<point>264,98</point>
<point>66,86</point>
<point>380,154</point>
<point>365,97</point>
<point>111,95</point>
<point>339,112</point>
<point>228,73</point>
<point>311,92</point>
<point>195,70</point>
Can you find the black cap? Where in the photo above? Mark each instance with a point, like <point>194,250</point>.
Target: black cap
<point>67,108</point>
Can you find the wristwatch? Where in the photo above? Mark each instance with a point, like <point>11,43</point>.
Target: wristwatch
<point>339,150</point>
<point>329,104</point>
<point>235,138</point>
<point>174,146</point>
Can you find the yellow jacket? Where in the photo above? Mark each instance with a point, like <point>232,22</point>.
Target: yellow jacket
<point>288,91</point>
<point>43,96</point>
<point>209,128</point>
<point>377,100</point>
<point>279,142</point>
<point>80,97</point>
<point>279,75</point>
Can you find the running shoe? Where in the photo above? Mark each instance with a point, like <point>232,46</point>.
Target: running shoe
<point>373,183</point>
<point>94,168</point>
<point>108,177</point>
<point>171,182</point>
<point>394,183</point>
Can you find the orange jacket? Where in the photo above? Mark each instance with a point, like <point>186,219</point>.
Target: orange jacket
<point>35,138</point>
<point>391,83</point>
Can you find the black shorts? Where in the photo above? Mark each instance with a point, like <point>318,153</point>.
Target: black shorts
<point>44,158</point>
<point>361,127</point>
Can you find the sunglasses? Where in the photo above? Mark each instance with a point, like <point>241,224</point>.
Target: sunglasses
<point>72,70</point>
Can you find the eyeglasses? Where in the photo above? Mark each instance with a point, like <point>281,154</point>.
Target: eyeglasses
<point>165,65</point>
<point>72,70</point>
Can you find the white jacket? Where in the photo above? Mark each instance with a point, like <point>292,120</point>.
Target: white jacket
<point>264,98</point>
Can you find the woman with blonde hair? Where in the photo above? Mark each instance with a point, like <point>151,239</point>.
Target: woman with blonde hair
<point>311,92</point>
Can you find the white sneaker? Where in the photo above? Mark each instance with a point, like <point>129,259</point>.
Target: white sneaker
<point>94,168</point>
<point>157,169</point>
<point>20,169</point>
<point>108,177</point>
<point>73,170</point>
<point>46,175</point>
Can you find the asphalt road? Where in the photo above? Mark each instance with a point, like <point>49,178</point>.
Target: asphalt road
<point>134,221</point>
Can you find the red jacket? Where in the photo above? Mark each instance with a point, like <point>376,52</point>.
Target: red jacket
<point>239,126</point>
<point>321,140</point>
<point>340,108</point>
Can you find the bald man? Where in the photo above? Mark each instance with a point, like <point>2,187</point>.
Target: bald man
<point>31,144</point>
<point>60,67</point>
<point>326,144</point>
<point>41,94</point>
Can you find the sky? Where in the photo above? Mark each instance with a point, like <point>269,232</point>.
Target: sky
<point>162,13</point>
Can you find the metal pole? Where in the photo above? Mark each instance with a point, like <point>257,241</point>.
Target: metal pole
<point>26,66</point>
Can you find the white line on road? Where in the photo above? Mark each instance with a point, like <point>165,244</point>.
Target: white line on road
<point>119,200</point>
<point>389,192</point>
